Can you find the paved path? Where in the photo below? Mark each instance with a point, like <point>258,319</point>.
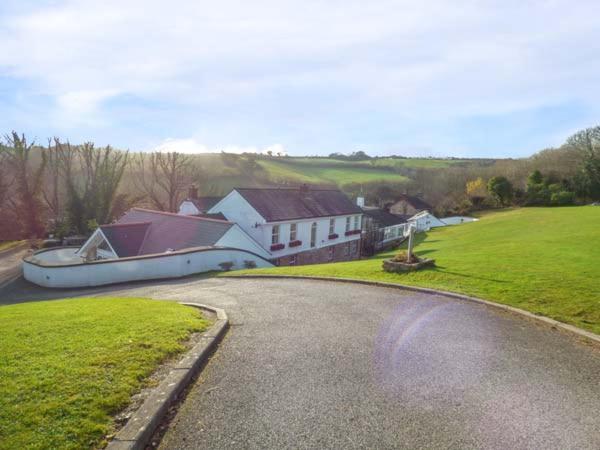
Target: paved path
<point>310,364</point>
<point>11,262</point>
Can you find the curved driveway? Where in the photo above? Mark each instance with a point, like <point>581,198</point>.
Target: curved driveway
<point>311,364</point>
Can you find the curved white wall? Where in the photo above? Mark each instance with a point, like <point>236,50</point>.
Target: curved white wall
<point>43,270</point>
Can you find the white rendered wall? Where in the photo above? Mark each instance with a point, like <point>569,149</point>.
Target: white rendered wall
<point>188,209</point>
<point>457,220</point>
<point>238,238</point>
<point>171,265</point>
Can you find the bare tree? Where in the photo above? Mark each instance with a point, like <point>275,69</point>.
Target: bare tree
<point>27,182</point>
<point>162,178</point>
<point>92,192</point>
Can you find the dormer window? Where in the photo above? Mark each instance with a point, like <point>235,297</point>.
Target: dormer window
<point>275,235</point>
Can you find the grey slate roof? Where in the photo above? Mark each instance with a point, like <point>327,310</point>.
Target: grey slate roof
<point>204,203</point>
<point>158,231</point>
<point>126,239</point>
<point>285,203</point>
<point>415,202</point>
<point>384,218</point>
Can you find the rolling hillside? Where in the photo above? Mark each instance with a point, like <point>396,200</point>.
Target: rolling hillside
<point>544,260</point>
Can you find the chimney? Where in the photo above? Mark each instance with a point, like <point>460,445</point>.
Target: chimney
<point>193,192</point>
<point>360,201</point>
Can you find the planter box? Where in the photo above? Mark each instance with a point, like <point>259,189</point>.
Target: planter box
<point>277,247</point>
<point>401,267</point>
<point>295,243</point>
<point>334,236</point>
<point>352,232</point>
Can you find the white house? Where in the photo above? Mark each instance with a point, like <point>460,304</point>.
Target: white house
<point>457,220</point>
<point>195,205</point>
<point>302,225</point>
<point>424,221</point>
<point>144,232</point>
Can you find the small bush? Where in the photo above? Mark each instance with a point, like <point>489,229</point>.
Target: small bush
<point>249,264</point>
<point>226,266</point>
<point>402,255</point>
<point>562,198</point>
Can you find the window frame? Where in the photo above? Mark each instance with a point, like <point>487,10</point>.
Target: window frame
<point>293,232</point>
<point>356,222</point>
<point>275,234</point>
<point>331,226</point>
<point>348,219</point>
<point>313,235</point>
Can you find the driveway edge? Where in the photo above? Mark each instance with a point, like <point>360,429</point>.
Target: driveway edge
<point>570,329</point>
<point>141,426</point>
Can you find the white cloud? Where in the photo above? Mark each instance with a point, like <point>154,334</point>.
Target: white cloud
<point>303,63</point>
<point>191,145</point>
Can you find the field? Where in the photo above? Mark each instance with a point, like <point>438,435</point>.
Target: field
<point>544,260</point>
<point>68,365</point>
<point>234,170</point>
<point>326,172</point>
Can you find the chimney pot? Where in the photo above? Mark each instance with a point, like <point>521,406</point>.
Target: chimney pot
<point>193,192</point>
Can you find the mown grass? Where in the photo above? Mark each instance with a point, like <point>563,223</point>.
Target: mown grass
<point>67,366</point>
<point>544,260</point>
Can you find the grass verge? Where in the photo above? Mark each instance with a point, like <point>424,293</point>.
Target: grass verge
<point>543,260</point>
<point>67,366</point>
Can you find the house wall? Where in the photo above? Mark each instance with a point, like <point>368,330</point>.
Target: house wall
<point>403,207</point>
<point>345,251</point>
<point>236,209</point>
<point>42,268</point>
<point>426,221</point>
<point>187,208</point>
<point>238,238</point>
<point>457,220</point>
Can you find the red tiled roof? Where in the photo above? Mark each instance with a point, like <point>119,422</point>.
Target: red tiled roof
<point>277,204</point>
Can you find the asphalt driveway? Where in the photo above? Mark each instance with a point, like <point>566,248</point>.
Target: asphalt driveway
<point>311,364</point>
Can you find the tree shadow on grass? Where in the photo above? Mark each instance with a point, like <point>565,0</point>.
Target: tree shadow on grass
<point>464,275</point>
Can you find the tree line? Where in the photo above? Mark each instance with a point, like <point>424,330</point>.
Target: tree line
<point>71,189</point>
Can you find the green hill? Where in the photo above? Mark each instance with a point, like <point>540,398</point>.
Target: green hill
<point>544,260</point>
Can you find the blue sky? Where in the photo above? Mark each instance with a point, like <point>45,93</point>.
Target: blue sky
<point>434,78</point>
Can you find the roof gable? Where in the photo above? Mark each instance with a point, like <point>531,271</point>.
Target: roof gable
<point>280,204</point>
<point>126,239</point>
<point>168,231</point>
<point>203,204</point>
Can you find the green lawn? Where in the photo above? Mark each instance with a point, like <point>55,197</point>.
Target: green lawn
<point>326,172</point>
<point>67,366</point>
<point>544,260</point>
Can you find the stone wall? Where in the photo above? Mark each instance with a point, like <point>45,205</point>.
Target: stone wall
<point>345,251</point>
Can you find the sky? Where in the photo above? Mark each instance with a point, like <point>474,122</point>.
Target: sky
<point>432,78</point>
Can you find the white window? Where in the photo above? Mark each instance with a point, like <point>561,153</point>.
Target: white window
<point>347,223</point>
<point>275,235</point>
<point>293,232</point>
<point>331,226</point>
<point>313,234</point>
<point>356,222</point>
